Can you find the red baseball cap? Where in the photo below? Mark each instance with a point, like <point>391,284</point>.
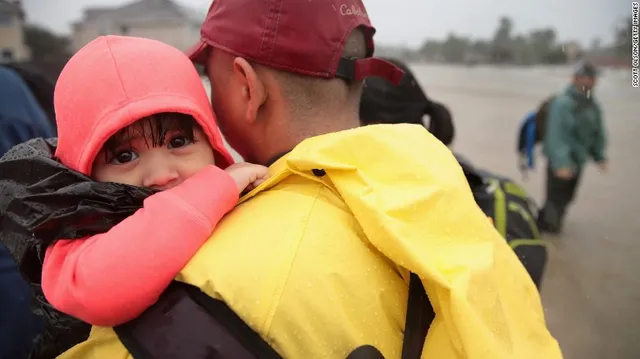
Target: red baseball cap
<point>302,36</point>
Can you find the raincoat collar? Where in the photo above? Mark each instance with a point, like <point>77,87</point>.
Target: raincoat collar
<point>275,158</point>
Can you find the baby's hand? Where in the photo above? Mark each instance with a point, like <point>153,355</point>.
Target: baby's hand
<point>247,175</point>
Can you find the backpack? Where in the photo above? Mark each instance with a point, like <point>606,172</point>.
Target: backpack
<point>187,323</point>
<point>534,128</point>
<point>531,132</point>
<point>513,214</point>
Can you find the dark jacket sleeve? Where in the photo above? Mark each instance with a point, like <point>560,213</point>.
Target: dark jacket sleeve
<point>21,117</point>
<point>13,131</point>
<point>19,327</point>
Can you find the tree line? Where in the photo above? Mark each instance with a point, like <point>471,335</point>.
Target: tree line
<point>539,46</point>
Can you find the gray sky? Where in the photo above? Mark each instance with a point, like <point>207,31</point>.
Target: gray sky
<point>409,22</point>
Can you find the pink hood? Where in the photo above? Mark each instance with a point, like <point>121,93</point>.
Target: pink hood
<point>114,81</point>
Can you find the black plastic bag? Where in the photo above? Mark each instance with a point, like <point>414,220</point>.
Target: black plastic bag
<point>42,201</point>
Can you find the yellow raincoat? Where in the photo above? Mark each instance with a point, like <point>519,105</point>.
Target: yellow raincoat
<point>318,263</point>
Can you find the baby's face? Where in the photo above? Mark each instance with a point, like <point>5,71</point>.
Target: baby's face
<point>138,159</point>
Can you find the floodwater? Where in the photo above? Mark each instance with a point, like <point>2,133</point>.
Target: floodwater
<point>591,292</point>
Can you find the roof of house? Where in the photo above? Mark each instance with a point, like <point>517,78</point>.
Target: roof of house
<point>11,6</point>
<point>95,12</point>
<point>143,10</point>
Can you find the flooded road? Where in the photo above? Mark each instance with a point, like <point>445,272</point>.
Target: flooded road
<point>591,292</point>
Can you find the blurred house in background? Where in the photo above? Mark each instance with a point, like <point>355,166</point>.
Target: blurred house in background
<point>162,20</point>
<point>573,51</point>
<point>12,44</point>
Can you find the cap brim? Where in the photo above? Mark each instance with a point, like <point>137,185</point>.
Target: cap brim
<point>198,53</point>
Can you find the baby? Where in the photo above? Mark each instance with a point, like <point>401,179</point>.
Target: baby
<point>134,111</point>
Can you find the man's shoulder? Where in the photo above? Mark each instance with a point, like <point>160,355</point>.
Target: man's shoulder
<point>289,228</point>
<point>287,206</point>
<point>264,232</point>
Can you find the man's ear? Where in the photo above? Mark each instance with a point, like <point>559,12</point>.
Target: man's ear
<point>253,90</point>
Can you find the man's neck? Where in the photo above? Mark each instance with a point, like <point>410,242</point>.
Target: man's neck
<point>278,146</point>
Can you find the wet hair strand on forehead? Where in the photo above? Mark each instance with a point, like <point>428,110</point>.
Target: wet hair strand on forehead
<point>153,129</point>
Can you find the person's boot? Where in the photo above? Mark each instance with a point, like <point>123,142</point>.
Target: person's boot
<point>544,226</point>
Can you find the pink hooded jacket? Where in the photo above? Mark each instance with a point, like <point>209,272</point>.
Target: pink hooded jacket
<point>110,83</point>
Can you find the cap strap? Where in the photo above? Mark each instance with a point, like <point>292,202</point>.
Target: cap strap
<point>354,69</point>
